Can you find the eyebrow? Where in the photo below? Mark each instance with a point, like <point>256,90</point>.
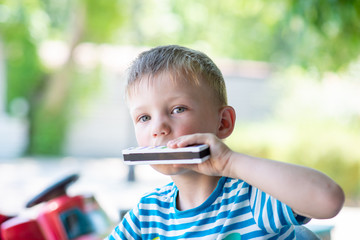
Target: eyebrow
<point>185,99</point>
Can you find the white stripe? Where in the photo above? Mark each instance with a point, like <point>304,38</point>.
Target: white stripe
<point>276,213</point>
<point>257,206</point>
<point>287,214</point>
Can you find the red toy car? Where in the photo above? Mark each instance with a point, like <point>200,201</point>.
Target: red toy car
<point>61,217</point>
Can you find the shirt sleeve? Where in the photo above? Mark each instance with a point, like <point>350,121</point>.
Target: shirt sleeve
<point>128,229</point>
<point>270,214</point>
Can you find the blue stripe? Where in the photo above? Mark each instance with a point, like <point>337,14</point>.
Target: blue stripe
<point>129,229</point>
<point>238,225</point>
<point>241,211</point>
<point>281,216</point>
<point>254,234</point>
<point>261,210</point>
<point>270,216</point>
<point>110,238</point>
<point>232,187</point>
<point>122,236</point>
<point>134,219</point>
<point>147,212</point>
<point>160,191</point>
<point>183,226</point>
<point>157,202</point>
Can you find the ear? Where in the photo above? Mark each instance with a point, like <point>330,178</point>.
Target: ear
<point>227,122</point>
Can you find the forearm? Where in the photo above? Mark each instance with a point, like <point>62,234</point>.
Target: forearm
<point>307,191</point>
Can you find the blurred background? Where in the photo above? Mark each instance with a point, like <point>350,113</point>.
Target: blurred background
<point>292,70</point>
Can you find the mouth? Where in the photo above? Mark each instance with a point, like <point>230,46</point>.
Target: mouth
<point>159,143</point>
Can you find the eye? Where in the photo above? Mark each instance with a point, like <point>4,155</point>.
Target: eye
<point>144,118</point>
<point>178,110</point>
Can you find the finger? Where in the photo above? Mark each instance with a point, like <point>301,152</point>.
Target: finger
<point>188,140</point>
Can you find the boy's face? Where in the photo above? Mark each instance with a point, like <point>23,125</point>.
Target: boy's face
<point>163,109</point>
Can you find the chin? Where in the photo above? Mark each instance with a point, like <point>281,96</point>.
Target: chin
<point>169,169</point>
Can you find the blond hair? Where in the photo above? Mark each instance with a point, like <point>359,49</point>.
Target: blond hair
<point>181,62</point>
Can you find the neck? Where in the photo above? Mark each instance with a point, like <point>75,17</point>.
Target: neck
<point>194,189</point>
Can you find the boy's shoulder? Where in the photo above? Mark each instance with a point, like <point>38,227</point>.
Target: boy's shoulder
<point>163,193</point>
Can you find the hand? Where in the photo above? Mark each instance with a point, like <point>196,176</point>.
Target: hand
<point>219,162</point>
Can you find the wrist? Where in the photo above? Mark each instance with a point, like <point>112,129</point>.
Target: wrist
<point>236,167</point>
<point>230,157</point>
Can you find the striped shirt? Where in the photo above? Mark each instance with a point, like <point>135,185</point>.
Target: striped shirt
<point>235,210</point>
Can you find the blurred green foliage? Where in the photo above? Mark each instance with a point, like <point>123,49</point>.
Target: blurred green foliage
<point>322,34</point>
<point>24,26</point>
<point>319,35</point>
<point>103,19</point>
<point>24,70</point>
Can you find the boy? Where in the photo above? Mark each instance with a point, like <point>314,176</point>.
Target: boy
<point>177,97</point>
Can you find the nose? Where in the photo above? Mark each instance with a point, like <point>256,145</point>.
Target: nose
<point>161,128</point>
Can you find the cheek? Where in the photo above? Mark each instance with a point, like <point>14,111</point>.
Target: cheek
<point>197,127</point>
<point>141,137</point>
<point>186,129</point>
